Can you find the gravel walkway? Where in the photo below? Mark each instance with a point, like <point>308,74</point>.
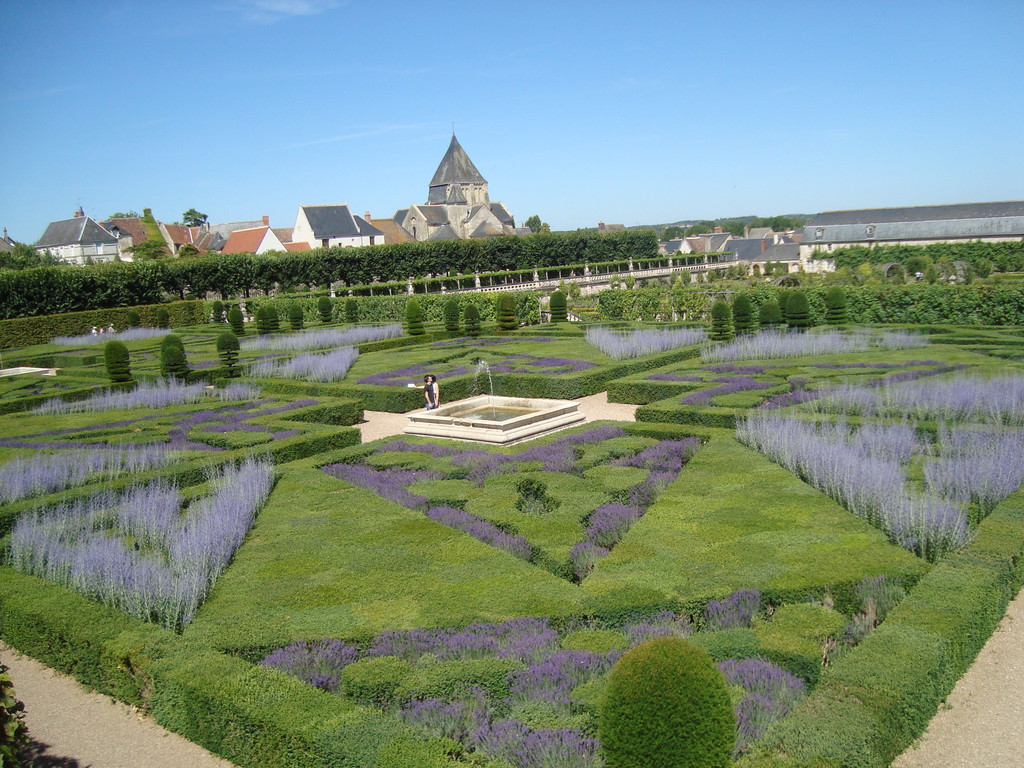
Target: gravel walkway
<point>980,726</point>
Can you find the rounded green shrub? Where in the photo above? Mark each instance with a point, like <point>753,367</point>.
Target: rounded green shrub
<point>13,731</point>
<point>217,312</point>
<point>721,322</point>
<point>667,706</point>
<point>559,308</point>
<point>262,321</point>
<point>835,306</point>
<point>236,321</point>
<point>163,318</point>
<point>117,359</point>
<point>406,751</point>
<point>273,319</point>
<point>471,319</point>
<point>506,306</point>
<point>769,315</point>
<point>173,362</point>
<point>376,680</point>
<point>798,311</point>
<point>227,350</point>
<point>351,310</point>
<point>743,320</point>
<point>295,319</point>
<point>451,315</point>
<point>324,309</point>
<point>414,318</point>
<point>133,318</point>
<point>595,640</point>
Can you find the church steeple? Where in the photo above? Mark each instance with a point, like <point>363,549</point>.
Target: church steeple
<point>457,178</point>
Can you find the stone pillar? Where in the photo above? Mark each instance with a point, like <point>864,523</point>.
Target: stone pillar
<point>408,286</point>
<point>536,277</point>
<point>476,279</point>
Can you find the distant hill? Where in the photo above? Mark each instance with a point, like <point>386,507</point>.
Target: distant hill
<point>802,218</point>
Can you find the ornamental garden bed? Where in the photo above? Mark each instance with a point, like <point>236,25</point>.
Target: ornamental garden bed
<point>408,602</point>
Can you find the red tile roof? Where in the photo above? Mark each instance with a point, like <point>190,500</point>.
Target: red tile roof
<point>245,240</point>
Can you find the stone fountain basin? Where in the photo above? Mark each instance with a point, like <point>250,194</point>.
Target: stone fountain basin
<point>494,419</point>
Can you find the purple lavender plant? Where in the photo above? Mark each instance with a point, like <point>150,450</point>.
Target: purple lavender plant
<point>647,341</point>
<point>771,692</point>
<point>329,366</point>
<point>737,610</point>
<point>319,663</point>
<point>661,624</point>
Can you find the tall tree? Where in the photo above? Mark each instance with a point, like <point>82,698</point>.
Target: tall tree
<point>536,225</point>
<point>193,218</point>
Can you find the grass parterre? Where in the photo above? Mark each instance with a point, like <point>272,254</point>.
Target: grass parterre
<point>465,605</point>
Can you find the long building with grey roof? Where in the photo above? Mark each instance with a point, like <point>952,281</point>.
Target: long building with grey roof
<point>919,225</point>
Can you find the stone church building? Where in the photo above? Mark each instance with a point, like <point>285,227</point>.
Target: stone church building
<point>458,205</point>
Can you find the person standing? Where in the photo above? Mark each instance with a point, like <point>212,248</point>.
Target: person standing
<point>431,393</point>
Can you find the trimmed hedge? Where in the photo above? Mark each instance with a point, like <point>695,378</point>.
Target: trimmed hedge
<point>26,331</point>
<point>875,700</point>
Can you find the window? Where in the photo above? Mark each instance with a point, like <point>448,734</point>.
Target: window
<point>819,233</point>
<point>869,230</point>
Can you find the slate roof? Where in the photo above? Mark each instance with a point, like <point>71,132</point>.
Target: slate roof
<point>502,214</point>
<point>456,167</point>
<point>444,232</point>
<point>80,229</point>
<point>433,214</point>
<point>749,248</point>
<point>931,222</point>
<point>330,221</point>
<point>920,213</point>
<point>400,215</point>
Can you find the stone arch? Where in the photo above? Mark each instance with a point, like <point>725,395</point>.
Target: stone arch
<point>892,265</point>
<point>789,281</point>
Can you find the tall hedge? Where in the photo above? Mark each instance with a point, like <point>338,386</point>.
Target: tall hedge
<point>666,706</point>
<point>50,290</point>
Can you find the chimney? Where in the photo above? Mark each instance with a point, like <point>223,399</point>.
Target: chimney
<point>600,226</point>
<point>366,215</point>
<point>266,221</point>
<point>717,230</point>
<point>79,213</point>
<point>764,246</point>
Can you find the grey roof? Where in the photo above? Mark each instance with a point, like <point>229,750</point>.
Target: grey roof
<point>749,248</point>
<point>444,232</point>
<point>400,215</point>
<point>225,230</point>
<point>717,241</point>
<point>920,213</point>
<point>782,252</point>
<point>80,229</point>
<point>502,214</point>
<point>455,195</point>
<point>330,221</point>
<point>433,214</point>
<point>934,222</point>
<point>672,246</point>
<point>488,229</point>
<point>456,167</point>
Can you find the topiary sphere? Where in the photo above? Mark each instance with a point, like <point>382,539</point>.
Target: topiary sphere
<point>667,706</point>
<point>769,314</point>
<point>133,318</point>
<point>559,310</point>
<point>217,312</point>
<point>273,319</point>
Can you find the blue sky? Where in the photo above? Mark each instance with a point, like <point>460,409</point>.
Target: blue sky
<point>631,113</point>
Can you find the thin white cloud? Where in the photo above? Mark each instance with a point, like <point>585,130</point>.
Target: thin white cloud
<point>270,11</point>
<point>360,134</point>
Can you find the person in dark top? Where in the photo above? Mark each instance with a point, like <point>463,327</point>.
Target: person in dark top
<point>431,393</point>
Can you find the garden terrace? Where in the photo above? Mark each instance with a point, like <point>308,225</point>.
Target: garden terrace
<point>379,580</point>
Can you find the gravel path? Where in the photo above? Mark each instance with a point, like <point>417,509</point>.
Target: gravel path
<point>73,728</point>
<point>980,726</point>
